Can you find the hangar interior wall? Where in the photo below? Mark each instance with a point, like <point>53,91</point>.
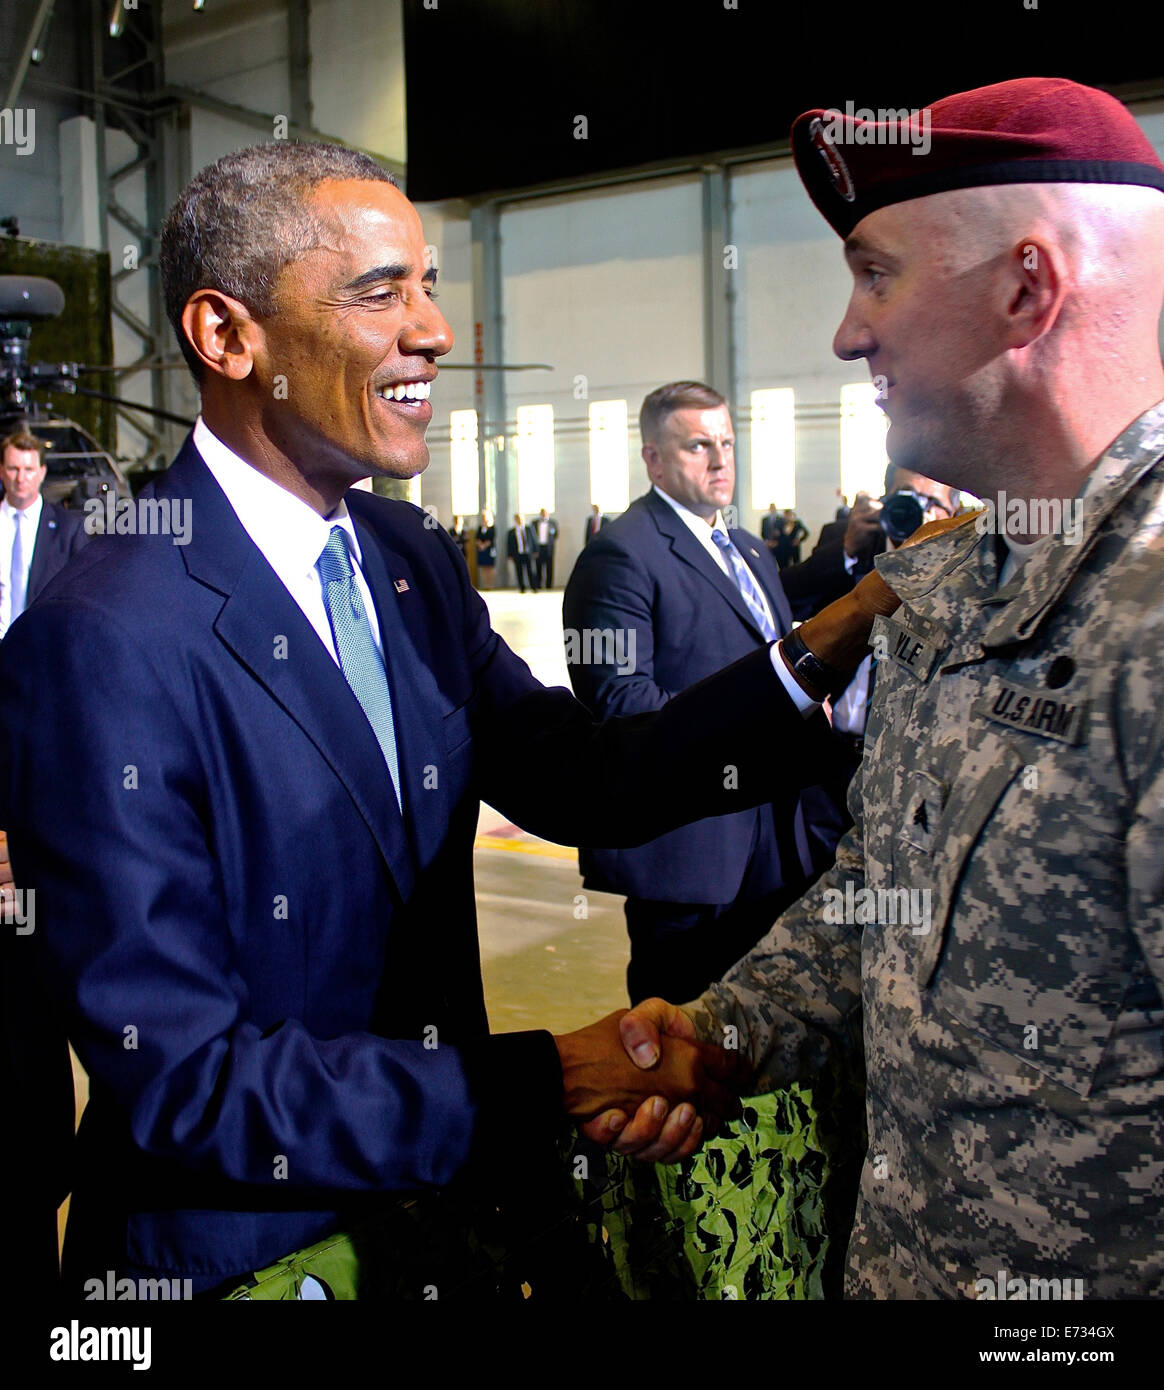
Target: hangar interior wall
<point>604,285</point>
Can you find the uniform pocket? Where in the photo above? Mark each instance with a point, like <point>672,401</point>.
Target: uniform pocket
<point>1030,949</point>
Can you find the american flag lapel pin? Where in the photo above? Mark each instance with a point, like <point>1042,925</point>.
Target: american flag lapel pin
<point>401,586</point>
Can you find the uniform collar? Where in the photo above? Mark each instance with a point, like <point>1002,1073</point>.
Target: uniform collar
<point>1031,594</point>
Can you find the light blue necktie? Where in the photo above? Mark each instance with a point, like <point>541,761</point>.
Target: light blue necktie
<point>753,598</point>
<point>746,584</point>
<point>17,577</point>
<point>360,658</point>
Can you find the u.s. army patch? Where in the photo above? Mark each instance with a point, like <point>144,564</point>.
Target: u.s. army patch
<point>1033,711</point>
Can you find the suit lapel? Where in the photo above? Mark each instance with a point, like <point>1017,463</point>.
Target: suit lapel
<point>47,533</point>
<point>417,703</point>
<point>768,578</point>
<point>298,674</point>
<point>686,548</point>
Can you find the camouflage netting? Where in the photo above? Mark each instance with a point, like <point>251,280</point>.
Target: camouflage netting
<point>749,1217</point>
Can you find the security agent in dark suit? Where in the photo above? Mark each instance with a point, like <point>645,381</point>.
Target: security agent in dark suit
<point>519,546</point>
<point>594,523</point>
<point>695,595</point>
<point>37,538</point>
<point>242,774</point>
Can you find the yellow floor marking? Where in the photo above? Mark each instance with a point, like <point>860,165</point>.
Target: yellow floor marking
<point>538,847</point>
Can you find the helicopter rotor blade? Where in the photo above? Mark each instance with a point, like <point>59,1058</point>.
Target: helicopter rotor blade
<point>109,370</point>
<point>132,405</point>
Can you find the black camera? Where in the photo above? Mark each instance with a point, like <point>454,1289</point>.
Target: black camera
<point>902,513</point>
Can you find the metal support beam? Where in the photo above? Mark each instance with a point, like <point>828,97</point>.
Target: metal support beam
<point>299,60</point>
<point>135,57</point>
<point>35,29</point>
<point>265,121</point>
<point>720,261</point>
<point>719,258</point>
<point>496,461</point>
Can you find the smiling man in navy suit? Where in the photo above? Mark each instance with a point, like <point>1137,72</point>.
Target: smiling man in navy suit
<point>242,773</point>
<point>37,537</point>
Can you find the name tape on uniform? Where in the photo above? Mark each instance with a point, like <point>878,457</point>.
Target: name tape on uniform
<point>916,652</point>
<point>1032,712</point>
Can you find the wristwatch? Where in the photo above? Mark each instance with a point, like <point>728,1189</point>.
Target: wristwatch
<point>819,674</point>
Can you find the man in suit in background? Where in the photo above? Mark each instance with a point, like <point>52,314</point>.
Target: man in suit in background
<point>544,530</point>
<point>274,1037</point>
<point>771,527</point>
<point>36,537</point>
<point>519,546</point>
<point>594,523</point>
<point>683,594</point>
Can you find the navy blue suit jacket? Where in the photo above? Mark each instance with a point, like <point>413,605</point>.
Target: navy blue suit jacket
<point>245,939</point>
<point>646,573</point>
<point>59,536</point>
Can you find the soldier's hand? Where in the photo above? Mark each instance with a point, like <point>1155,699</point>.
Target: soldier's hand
<point>655,1134</point>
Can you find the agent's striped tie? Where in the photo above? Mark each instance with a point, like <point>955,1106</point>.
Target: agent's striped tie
<point>746,584</point>
<point>360,659</point>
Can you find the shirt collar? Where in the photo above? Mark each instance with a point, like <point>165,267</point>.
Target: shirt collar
<point>697,523</point>
<point>290,534</point>
<point>31,513</point>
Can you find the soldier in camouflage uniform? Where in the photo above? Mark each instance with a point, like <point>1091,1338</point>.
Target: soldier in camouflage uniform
<point>994,926</point>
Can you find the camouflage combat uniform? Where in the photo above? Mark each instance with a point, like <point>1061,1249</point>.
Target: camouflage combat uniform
<point>1014,767</point>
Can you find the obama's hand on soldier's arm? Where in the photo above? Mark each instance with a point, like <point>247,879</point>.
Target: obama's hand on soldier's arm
<point>838,636</point>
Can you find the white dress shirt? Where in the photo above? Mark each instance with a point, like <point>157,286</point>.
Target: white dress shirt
<point>29,521</point>
<point>699,528</point>
<point>289,533</point>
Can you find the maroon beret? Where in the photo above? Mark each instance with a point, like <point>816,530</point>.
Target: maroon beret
<point>1031,130</point>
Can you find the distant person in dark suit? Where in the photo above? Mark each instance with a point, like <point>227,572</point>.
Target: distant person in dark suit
<point>37,537</point>
<point>544,529</point>
<point>792,532</point>
<point>594,523</point>
<point>486,550</point>
<point>682,594</point>
<point>519,546</point>
<point>771,527</point>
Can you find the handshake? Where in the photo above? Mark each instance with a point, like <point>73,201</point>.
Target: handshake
<point>648,1065</point>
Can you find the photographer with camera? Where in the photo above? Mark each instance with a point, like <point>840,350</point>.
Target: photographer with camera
<point>910,499</point>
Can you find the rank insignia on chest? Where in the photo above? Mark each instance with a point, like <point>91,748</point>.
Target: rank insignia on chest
<point>1033,711</point>
<point>923,809</point>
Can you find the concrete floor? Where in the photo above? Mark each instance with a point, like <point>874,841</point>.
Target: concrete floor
<point>552,956</point>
